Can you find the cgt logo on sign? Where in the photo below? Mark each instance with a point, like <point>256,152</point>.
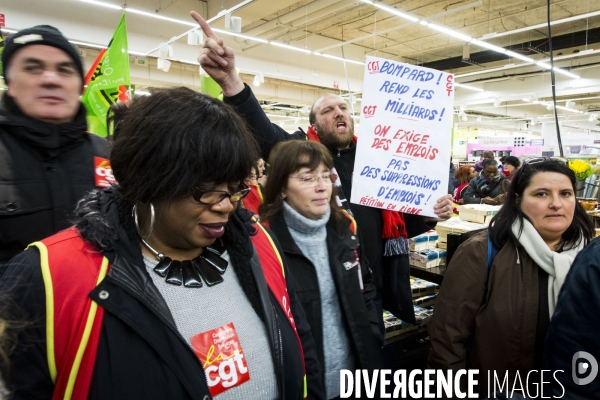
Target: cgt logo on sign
<point>580,368</point>
<point>373,67</point>
<point>369,111</point>
<point>222,358</point>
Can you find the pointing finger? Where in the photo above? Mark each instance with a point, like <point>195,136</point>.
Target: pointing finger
<point>204,25</point>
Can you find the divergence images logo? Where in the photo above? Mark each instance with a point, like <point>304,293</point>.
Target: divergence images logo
<point>580,367</point>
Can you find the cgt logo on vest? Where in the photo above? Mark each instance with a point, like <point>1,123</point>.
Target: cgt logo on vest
<point>103,174</point>
<point>369,111</point>
<point>222,358</point>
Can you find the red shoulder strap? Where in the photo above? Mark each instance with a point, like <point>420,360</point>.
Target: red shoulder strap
<point>71,268</point>
<point>272,266</point>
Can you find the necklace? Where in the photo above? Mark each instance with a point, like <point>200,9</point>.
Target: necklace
<point>209,265</point>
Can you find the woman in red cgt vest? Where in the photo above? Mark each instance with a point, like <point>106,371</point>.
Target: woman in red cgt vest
<point>164,287</point>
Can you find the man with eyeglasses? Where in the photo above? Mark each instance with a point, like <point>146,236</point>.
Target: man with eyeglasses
<point>333,126</point>
<point>46,155</point>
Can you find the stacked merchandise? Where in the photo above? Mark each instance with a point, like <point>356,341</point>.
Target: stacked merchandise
<point>479,213</point>
<point>423,252</point>
<point>424,294</point>
<point>454,225</point>
<point>424,241</point>
<point>427,258</point>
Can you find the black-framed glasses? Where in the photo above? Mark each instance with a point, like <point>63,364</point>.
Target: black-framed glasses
<point>212,196</point>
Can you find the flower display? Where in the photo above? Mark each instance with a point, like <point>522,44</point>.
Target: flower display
<point>581,169</point>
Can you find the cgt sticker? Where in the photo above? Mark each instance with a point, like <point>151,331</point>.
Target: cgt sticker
<point>103,173</point>
<point>222,357</point>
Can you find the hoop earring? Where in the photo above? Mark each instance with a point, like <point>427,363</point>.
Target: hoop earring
<point>137,225</point>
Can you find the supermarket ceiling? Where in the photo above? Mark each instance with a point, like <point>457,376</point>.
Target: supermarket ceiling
<point>353,29</point>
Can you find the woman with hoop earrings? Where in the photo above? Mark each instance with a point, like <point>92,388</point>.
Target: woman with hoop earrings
<point>164,288</point>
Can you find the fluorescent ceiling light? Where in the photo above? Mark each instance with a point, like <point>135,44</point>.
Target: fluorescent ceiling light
<point>566,73</point>
<point>450,32</point>
<point>468,87</point>
<point>395,12</point>
<point>544,25</point>
<point>94,46</point>
<point>286,46</point>
<point>519,56</point>
<point>283,108</point>
<point>151,15</point>
<point>543,65</point>
<point>559,70</point>
<point>99,46</point>
<point>342,59</point>
<point>240,35</point>
<point>101,4</point>
<point>488,46</point>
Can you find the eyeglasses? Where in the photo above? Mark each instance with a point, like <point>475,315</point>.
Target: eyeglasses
<point>311,180</point>
<point>210,197</point>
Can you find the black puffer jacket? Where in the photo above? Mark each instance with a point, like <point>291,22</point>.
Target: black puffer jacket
<point>141,355</point>
<point>44,170</point>
<point>359,313</point>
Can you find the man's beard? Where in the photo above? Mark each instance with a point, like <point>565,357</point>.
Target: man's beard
<point>333,139</point>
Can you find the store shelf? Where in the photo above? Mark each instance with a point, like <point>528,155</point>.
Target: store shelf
<point>435,274</point>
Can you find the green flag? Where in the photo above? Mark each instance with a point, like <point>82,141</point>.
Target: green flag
<point>108,80</point>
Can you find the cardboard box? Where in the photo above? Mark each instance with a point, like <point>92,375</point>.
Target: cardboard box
<point>455,225</point>
<point>427,258</point>
<point>425,241</point>
<point>480,213</point>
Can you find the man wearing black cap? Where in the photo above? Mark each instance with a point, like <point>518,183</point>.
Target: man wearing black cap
<point>46,155</point>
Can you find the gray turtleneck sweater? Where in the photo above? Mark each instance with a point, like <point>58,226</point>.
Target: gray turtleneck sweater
<point>311,237</point>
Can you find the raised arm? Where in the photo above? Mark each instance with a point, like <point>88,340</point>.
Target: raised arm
<point>218,60</point>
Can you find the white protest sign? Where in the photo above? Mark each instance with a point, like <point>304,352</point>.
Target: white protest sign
<point>403,150</point>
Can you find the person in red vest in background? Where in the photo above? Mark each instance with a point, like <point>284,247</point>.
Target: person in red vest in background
<point>255,197</point>
<point>164,288</point>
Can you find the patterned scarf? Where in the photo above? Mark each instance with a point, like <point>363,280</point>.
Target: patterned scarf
<point>486,185</point>
<point>394,229</point>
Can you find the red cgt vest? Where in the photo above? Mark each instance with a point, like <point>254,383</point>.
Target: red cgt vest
<point>66,258</point>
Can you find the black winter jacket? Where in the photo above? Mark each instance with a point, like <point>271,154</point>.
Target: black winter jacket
<point>141,355</point>
<point>44,170</point>
<point>369,220</point>
<point>472,195</point>
<point>358,310</point>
